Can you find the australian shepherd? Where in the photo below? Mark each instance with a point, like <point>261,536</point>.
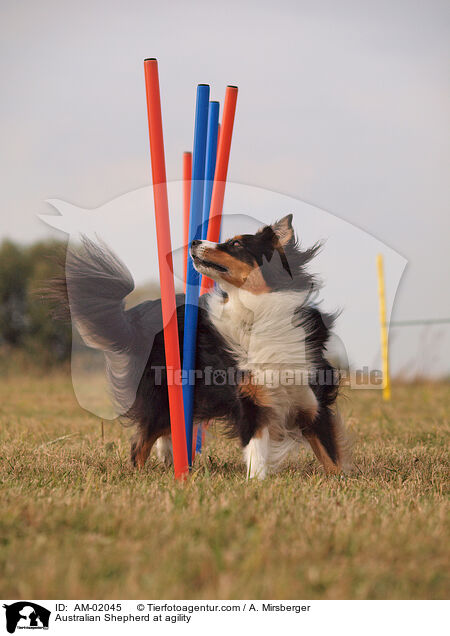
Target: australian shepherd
<point>261,364</point>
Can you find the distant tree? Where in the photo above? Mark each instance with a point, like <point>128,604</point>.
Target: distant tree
<point>26,320</point>
<point>14,273</point>
<point>25,314</point>
<point>45,337</point>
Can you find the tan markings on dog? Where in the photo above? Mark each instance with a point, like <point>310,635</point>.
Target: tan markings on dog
<point>259,432</point>
<point>239,274</point>
<point>255,282</point>
<point>256,392</point>
<point>142,446</point>
<point>240,270</point>
<point>304,417</point>
<point>319,451</point>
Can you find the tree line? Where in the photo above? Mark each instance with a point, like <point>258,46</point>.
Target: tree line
<point>26,323</point>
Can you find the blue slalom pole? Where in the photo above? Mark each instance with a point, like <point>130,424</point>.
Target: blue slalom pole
<point>193,277</point>
<point>211,153</point>
<point>210,166</point>
<point>198,444</point>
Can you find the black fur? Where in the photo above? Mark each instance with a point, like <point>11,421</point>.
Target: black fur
<point>283,267</point>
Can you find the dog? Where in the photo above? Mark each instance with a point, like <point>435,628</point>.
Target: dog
<point>261,365</point>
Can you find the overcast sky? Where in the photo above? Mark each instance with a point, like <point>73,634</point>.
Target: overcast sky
<point>342,104</point>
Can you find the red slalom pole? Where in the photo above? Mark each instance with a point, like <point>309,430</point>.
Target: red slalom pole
<point>220,175</point>
<point>168,303</point>
<point>187,173</point>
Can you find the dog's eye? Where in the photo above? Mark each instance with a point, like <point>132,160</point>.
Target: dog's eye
<point>236,243</point>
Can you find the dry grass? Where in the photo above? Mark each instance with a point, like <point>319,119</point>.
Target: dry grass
<point>77,522</point>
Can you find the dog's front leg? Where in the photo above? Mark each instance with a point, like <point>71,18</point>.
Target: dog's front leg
<point>256,454</point>
<point>255,415</point>
<point>164,449</point>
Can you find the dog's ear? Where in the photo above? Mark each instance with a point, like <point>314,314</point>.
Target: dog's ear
<point>284,230</point>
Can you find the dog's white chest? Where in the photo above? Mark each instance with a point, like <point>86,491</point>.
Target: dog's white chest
<point>261,331</point>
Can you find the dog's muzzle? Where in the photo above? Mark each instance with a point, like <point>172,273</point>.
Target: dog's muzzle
<point>201,262</point>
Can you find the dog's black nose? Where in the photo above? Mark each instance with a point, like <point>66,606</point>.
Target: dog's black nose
<point>195,243</point>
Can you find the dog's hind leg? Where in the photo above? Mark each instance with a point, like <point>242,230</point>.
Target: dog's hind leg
<point>322,436</point>
<point>142,444</point>
<point>331,467</point>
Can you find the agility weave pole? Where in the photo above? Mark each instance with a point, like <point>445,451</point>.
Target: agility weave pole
<point>203,198</point>
<point>193,277</point>
<point>383,329</point>
<point>168,301</point>
<point>210,166</point>
<point>220,174</point>
<point>187,175</point>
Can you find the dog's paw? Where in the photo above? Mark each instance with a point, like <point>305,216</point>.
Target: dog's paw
<point>164,450</point>
<point>257,471</point>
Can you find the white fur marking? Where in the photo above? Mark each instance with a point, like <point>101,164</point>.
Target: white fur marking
<point>164,449</point>
<point>256,455</point>
<point>262,333</point>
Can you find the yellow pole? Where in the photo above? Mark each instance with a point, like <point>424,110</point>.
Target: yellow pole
<point>383,326</point>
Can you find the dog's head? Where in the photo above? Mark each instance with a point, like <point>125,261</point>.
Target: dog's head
<point>260,263</point>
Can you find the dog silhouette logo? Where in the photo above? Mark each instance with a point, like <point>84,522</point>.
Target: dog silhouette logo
<point>26,615</point>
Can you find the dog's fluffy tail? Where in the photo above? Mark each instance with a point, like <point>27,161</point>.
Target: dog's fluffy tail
<point>92,293</point>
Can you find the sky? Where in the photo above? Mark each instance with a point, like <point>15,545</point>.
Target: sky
<point>341,105</point>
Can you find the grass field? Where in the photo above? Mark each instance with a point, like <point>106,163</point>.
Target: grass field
<point>77,522</point>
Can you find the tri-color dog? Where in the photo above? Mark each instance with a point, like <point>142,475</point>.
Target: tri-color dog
<point>261,367</point>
